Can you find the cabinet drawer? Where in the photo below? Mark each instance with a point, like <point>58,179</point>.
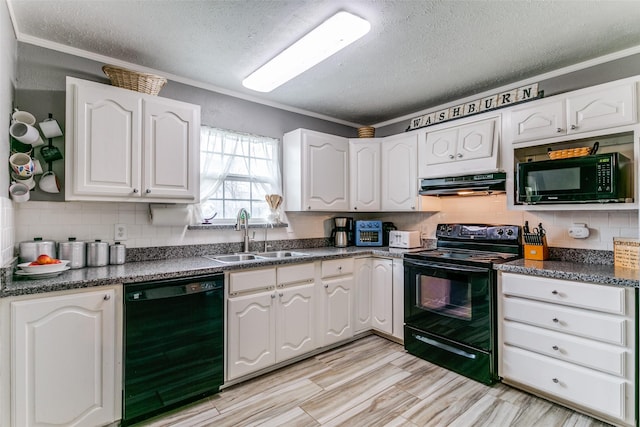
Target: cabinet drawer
<point>297,273</point>
<point>601,392</point>
<point>589,324</point>
<point>252,280</point>
<point>604,357</point>
<point>586,295</point>
<point>337,267</point>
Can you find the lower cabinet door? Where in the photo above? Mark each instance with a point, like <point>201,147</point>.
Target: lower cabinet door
<point>251,341</point>
<point>382,295</point>
<point>600,392</point>
<point>295,321</point>
<point>337,307</point>
<point>65,360</point>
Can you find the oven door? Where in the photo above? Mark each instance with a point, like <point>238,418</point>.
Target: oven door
<point>450,300</point>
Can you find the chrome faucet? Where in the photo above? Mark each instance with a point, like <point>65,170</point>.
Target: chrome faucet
<point>243,218</point>
<point>266,227</point>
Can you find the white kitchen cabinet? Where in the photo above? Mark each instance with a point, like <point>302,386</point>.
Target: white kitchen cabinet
<point>123,145</point>
<point>595,108</point>
<point>571,342</point>
<point>362,294</point>
<point>65,355</point>
<point>251,340</point>
<point>398,299</point>
<point>382,295</point>
<point>400,173</point>
<point>337,300</point>
<point>316,171</point>
<point>458,150</point>
<point>271,317</point>
<point>364,180</point>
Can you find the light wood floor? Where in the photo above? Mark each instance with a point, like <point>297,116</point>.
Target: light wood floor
<point>370,382</point>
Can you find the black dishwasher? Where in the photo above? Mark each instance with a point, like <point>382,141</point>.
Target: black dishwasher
<point>173,344</point>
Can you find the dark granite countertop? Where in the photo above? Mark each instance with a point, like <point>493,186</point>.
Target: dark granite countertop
<point>583,272</point>
<point>144,271</point>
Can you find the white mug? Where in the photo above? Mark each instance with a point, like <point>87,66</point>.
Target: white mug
<point>22,164</point>
<point>29,181</point>
<point>23,117</point>
<point>25,133</point>
<point>19,192</point>
<point>37,167</point>
<point>49,182</point>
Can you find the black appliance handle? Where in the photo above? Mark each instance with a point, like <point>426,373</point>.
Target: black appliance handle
<point>172,291</point>
<point>442,266</point>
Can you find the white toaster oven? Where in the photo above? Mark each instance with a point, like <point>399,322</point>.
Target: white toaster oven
<point>404,239</point>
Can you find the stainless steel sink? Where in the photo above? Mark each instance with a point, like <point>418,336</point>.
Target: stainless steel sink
<point>257,256</point>
<point>280,254</point>
<point>233,258</point>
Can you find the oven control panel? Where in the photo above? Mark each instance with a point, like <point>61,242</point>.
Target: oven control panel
<point>478,232</point>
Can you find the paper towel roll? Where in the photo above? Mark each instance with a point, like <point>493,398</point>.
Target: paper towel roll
<point>170,215</point>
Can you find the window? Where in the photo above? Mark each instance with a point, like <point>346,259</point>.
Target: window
<point>236,171</point>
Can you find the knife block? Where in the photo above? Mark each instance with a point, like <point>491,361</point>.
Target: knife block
<point>537,252</point>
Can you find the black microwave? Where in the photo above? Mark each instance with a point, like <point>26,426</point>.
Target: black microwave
<point>598,178</point>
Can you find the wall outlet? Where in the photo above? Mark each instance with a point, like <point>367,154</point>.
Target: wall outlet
<point>120,232</point>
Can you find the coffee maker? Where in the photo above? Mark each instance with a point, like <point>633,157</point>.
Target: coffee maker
<point>342,233</point>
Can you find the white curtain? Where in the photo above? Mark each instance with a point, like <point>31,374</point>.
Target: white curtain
<point>224,152</point>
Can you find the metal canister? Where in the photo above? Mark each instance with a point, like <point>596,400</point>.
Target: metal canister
<point>97,253</point>
<point>30,250</point>
<point>117,253</point>
<point>73,251</point>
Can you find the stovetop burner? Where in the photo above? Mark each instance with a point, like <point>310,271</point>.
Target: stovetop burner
<point>474,244</point>
<point>464,255</point>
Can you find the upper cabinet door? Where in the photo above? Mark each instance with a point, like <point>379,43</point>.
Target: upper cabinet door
<point>400,173</point>
<point>325,163</point>
<point>544,120</point>
<point>107,136</point>
<point>169,150</point>
<point>475,141</point>
<point>441,146</point>
<point>614,106</point>
<point>123,145</point>
<point>364,166</point>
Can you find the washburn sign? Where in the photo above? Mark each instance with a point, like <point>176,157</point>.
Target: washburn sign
<point>500,100</point>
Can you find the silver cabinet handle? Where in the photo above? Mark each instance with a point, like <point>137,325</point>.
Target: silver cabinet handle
<point>555,380</point>
<point>273,295</point>
<point>555,292</point>
<point>459,155</point>
<point>555,347</point>
<point>574,127</point>
<point>308,207</point>
<point>355,208</point>
<point>326,285</point>
<point>555,320</point>
<point>451,156</point>
<point>147,191</point>
<point>559,130</point>
<point>135,190</point>
<point>107,297</point>
<point>280,294</point>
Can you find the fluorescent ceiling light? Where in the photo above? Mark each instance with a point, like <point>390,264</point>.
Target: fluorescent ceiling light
<point>332,35</point>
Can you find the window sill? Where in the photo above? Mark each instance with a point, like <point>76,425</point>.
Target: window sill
<point>223,226</point>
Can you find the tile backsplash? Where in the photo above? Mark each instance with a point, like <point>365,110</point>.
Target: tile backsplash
<point>6,231</point>
<point>96,220</point>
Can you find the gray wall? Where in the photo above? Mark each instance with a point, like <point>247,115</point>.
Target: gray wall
<point>43,70</point>
<point>602,73</point>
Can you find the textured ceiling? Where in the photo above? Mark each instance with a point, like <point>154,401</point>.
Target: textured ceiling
<point>419,54</point>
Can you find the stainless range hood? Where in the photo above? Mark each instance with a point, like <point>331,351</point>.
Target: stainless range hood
<point>467,185</point>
